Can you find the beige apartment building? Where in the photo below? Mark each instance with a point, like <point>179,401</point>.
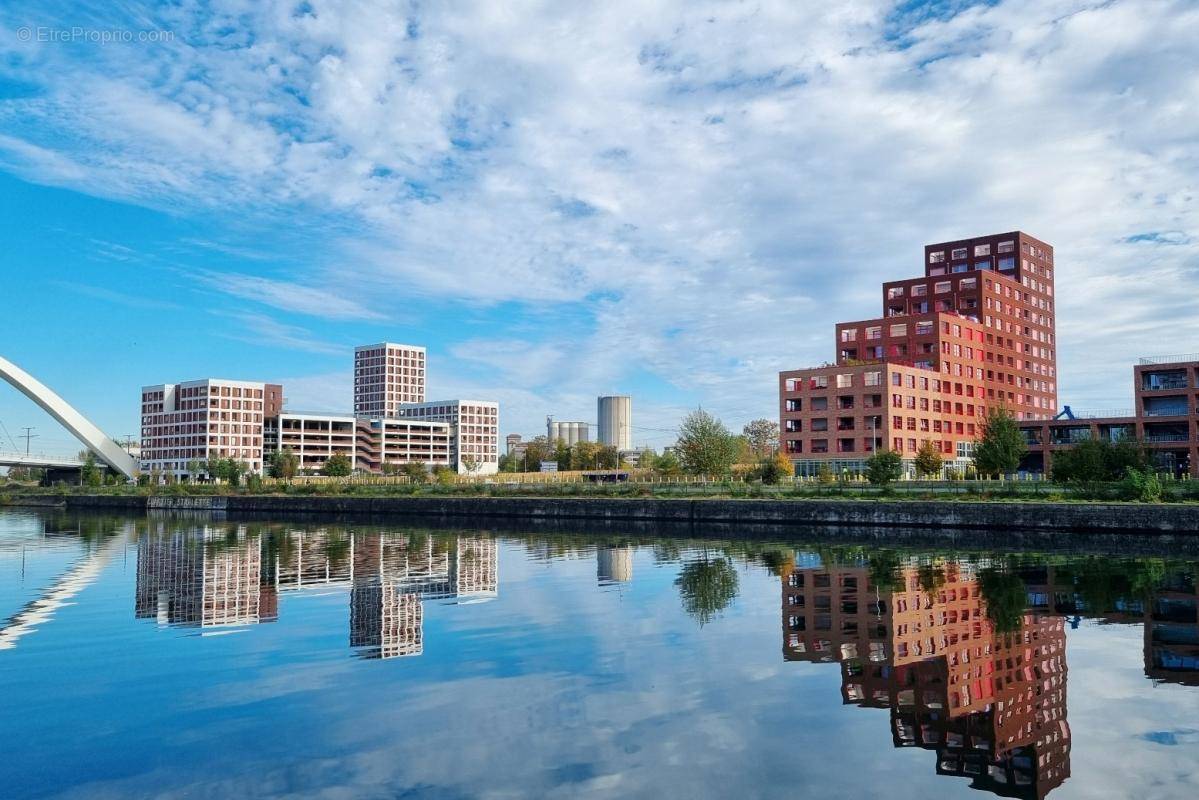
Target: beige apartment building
<point>386,376</point>
<point>474,432</point>
<point>186,424</point>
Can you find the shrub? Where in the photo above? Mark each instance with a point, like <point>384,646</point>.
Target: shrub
<point>824,474</point>
<point>1142,485</point>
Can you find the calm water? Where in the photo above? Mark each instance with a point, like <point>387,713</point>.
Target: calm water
<point>174,657</point>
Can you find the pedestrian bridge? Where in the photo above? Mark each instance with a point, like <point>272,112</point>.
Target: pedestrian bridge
<point>39,460</point>
<point>105,449</point>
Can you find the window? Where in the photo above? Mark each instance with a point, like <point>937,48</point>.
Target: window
<point>844,381</point>
<point>820,424</point>
<point>899,330</point>
<point>793,384</point>
<point>819,404</point>
<point>793,405</point>
<point>958,252</point>
<point>984,264</point>
<point>819,382</point>
<point>1007,263</point>
<point>874,378</point>
<point>920,290</point>
<point>874,332</point>
<point>920,308</point>
<point>924,328</point>
<point>1007,247</point>
<point>937,257</point>
<point>849,334</point>
<point>940,288</point>
<point>968,283</point>
<point>982,250</point>
<point>894,291</point>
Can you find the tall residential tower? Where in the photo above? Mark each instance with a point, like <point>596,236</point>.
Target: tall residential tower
<point>976,330</point>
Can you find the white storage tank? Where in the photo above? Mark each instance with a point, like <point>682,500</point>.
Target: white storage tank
<point>615,417</point>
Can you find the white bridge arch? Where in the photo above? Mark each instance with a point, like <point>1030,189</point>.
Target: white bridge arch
<point>95,439</point>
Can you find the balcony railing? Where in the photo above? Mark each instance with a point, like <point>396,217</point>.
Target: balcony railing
<point>1163,384</point>
<point>1166,411</point>
<point>1158,438</point>
<point>1176,359</point>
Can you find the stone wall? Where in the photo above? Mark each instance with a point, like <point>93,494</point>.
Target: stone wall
<point>1181,518</point>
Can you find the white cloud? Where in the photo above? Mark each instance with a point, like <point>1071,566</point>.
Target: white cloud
<point>711,187</point>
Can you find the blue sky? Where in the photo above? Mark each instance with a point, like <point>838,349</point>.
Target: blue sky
<point>672,200</point>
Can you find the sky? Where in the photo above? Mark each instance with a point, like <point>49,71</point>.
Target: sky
<point>673,200</point>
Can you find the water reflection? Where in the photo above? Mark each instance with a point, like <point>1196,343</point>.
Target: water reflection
<point>221,576</point>
<point>990,703</point>
<point>624,642</point>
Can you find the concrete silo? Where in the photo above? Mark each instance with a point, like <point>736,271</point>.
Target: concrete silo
<point>615,417</point>
<point>569,432</point>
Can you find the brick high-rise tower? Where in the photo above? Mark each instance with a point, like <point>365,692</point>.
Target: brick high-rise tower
<point>976,330</point>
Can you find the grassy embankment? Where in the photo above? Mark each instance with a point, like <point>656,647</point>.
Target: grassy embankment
<point>497,486</point>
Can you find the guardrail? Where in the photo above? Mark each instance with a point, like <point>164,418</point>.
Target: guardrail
<point>1175,359</point>
<point>40,458</point>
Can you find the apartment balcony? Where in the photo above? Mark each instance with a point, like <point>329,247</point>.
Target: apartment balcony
<point>1069,435</point>
<point>1161,381</point>
<point>1166,411</point>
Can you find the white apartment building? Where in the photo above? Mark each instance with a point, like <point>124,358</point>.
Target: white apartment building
<point>186,424</point>
<point>313,438</point>
<point>386,376</point>
<point>383,440</point>
<point>474,430</point>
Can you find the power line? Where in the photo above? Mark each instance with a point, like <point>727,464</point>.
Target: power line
<point>9,435</point>
<point>28,437</point>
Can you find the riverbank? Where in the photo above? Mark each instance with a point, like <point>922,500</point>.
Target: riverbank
<point>1182,518</point>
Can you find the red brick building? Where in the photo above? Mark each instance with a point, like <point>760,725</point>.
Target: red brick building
<point>1165,419</point>
<point>977,329</point>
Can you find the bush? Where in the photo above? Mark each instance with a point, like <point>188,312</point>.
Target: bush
<point>776,468</point>
<point>1142,485</point>
<point>824,474</point>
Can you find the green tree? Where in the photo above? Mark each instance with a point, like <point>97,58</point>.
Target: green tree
<point>445,476</point>
<point>883,467</point>
<point>776,468</point>
<point>668,464</point>
<point>562,455</point>
<point>1085,461</point>
<point>471,463</point>
<point>337,465</point>
<point>707,586</point>
<point>762,435</point>
<point>928,460</point>
<point>584,455</point>
<point>705,446</point>
<point>282,464</point>
<point>415,471</point>
<point>608,457</point>
<point>537,450</point>
<point>1001,446</point>
<point>91,474</point>
<point>509,462</point>
<point>647,459</point>
<point>824,473</point>
<point>1100,460</point>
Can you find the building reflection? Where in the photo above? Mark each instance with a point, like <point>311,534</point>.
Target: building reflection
<point>205,577</point>
<point>221,576</point>
<point>613,564</point>
<point>991,704</point>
